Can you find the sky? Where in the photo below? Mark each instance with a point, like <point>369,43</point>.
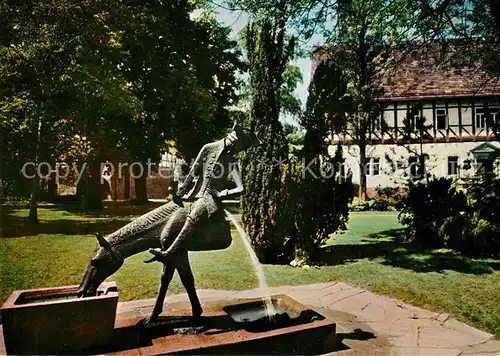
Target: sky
<point>239,19</point>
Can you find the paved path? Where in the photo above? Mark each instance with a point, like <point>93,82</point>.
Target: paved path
<point>367,323</point>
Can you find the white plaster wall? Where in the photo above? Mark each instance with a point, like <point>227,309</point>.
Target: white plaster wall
<point>394,161</point>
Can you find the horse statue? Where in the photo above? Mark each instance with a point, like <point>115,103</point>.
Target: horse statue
<point>193,220</point>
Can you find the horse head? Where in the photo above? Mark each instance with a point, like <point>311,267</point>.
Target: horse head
<point>106,262</point>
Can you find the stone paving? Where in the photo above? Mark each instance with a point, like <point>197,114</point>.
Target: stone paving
<point>367,323</point>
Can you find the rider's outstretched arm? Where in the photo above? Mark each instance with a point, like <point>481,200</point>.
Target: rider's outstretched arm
<point>235,172</point>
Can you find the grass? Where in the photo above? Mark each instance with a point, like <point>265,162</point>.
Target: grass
<point>371,254</point>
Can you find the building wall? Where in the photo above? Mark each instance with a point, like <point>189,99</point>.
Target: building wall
<point>460,122</point>
<point>394,166</point>
<point>455,136</point>
<point>123,187</point>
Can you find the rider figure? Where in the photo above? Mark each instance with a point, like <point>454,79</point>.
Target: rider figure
<point>209,167</point>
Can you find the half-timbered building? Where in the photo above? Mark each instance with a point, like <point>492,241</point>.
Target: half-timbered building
<point>456,109</point>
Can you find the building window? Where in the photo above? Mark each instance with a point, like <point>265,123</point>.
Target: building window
<point>376,124</point>
<point>493,119</point>
<point>410,122</point>
<point>375,166</point>
<point>413,121</point>
<point>452,165</point>
<point>342,170</point>
<point>494,115</point>
<point>417,171</point>
<point>441,119</point>
<point>414,166</point>
<point>480,120</point>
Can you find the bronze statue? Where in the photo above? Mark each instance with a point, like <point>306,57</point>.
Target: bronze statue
<point>192,219</point>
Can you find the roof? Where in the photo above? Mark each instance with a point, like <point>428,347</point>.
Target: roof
<point>419,76</point>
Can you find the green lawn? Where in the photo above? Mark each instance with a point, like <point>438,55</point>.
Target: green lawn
<point>370,254</point>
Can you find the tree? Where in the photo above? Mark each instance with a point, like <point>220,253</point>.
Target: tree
<point>185,82</point>
<point>468,33</point>
<point>217,62</point>
<point>39,53</point>
<point>290,104</point>
<point>415,131</point>
<point>367,39</point>
<point>108,80</point>
<point>363,37</point>
<point>155,63</point>
<point>295,137</point>
<point>324,190</point>
<point>262,204</point>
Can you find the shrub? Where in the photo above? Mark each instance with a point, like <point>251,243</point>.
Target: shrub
<point>8,197</point>
<point>439,215</point>
<point>14,202</point>
<point>359,204</point>
<point>484,202</point>
<point>381,205</point>
<point>323,203</point>
<point>427,207</point>
<point>373,204</point>
<point>389,194</point>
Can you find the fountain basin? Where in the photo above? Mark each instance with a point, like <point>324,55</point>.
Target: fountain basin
<point>54,320</point>
<point>267,314</point>
<point>221,329</point>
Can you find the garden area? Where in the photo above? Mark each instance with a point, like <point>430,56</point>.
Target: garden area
<point>371,254</point>
<point>357,167</point>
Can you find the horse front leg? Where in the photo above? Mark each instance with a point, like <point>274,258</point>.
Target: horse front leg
<point>167,273</point>
<point>187,279</point>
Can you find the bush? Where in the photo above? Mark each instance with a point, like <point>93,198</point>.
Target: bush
<point>389,194</point>
<point>373,204</point>
<point>484,219</point>
<point>381,205</point>
<point>324,206</point>
<point>427,207</point>
<point>439,215</point>
<point>359,204</point>
<point>15,202</point>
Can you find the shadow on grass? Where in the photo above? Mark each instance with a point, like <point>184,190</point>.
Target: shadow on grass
<point>374,246</point>
<point>17,226</point>
<point>114,216</point>
<point>110,209</point>
<point>390,247</point>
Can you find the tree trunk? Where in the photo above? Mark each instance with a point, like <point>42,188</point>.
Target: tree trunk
<point>33,214</point>
<point>126,184</point>
<point>141,192</point>
<point>114,180</point>
<point>362,173</point>
<point>52,187</point>
<point>92,197</point>
<point>80,187</point>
